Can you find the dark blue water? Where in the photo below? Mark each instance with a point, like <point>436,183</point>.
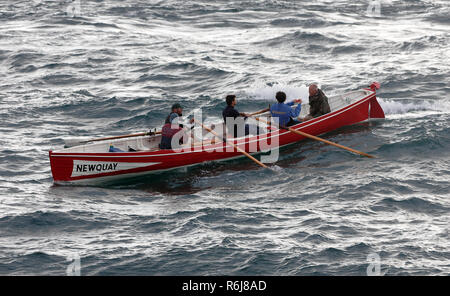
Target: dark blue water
<point>114,67</point>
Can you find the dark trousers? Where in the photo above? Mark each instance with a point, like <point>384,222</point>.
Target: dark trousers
<point>292,122</point>
<point>247,130</point>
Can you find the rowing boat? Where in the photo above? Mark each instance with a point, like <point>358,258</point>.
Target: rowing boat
<point>92,163</point>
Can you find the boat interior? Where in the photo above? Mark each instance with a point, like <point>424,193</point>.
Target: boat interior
<point>151,142</point>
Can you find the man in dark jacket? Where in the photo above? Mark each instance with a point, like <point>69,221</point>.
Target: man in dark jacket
<point>231,112</point>
<point>318,103</point>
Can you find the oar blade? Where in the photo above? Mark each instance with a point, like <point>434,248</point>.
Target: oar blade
<point>72,142</point>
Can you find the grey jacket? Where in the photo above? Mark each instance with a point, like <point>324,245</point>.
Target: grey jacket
<point>318,104</point>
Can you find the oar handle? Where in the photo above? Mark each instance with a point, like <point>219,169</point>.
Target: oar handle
<point>120,137</point>
<point>259,112</point>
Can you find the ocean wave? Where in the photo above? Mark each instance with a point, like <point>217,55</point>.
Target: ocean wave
<point>422,43</point>
<point>84,105</point>
<point>36,263</point>
<point>100,60</point>
<point>10,157</point>
<point>180,71</point>
<point>63,79</point>
<point>299,37</point>
<point>42,223</point>
<point>413,204</point>
<point>80,21</point>
<point>317,238</point>
<point>347,49</point>
<point>24,59</point>
<point>332,253</point>
<point>404,106</point>
<point>84,92</point>
<point>358,248</point>
<point>4,54</point>
<point>145,121</point>
<point>267,92</point>
<point>309,21</point>
<point>425,143</point>
<point>439,14</point>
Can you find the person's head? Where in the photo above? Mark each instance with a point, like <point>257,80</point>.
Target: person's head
<point>313,89</point>
<point>231,100</point>
<point>280,96</point>
<point>177,109</point>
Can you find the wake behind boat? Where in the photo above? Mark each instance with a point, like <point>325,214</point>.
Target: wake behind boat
<point>93,163</point>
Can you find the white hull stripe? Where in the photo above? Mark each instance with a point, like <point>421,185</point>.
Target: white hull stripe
<point>101,180</point>
<point>87,167</point>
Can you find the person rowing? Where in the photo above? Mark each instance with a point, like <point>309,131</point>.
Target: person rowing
<point>234,120</point>
<point>318,103</point>
<point>284,111</point>
<point>172,126</point>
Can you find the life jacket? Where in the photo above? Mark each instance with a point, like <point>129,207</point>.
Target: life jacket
<point>168,132</point>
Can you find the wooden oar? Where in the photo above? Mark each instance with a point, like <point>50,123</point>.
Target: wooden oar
<point>259,112</point>
<point>320,139</point>
<point>232,144</point>
<point>71,143</point>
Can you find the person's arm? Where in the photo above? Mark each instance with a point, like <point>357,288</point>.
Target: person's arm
<point>325,105</point>
<point>296,112</point>
<point>236,113</point>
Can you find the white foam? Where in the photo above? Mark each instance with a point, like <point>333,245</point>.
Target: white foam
<point>276,168</point>
<point>399,107</point>
<point>267,93</point>
<point>261,91</point>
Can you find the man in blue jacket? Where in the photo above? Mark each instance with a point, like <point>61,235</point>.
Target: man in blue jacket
<point>284,111</point>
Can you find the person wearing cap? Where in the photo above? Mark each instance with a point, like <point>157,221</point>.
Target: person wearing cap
<point>172,127</point>
<point>177,111</point>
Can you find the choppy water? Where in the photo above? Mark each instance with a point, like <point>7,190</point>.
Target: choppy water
<point>117,66</point>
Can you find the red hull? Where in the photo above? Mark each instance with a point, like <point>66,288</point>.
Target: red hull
<point>82,167</point>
